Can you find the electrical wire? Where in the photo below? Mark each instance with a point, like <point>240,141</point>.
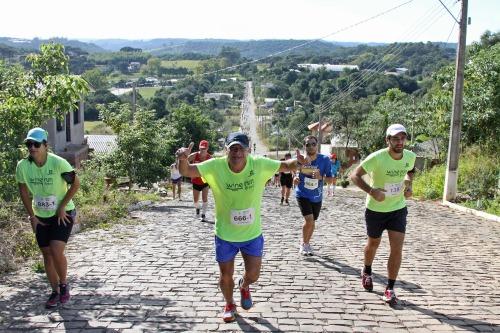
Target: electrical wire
<point>371,70</point>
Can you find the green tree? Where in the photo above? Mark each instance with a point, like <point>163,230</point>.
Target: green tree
<point>481,112</point>
<point>143,145</point>
<point>96,79</point>
<point>154,66</point>
<point>189,124</point>
<point>28,98</point>
<point>231,54</point>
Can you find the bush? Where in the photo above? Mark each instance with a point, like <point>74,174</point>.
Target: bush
<point>16,237</point>
<point>429,184</point>
<point>489,206</point>
<point>478,174</point>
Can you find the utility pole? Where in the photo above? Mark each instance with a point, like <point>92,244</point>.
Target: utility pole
<point>320,134</point>
<point>134,99</point>
<point>278,142</point>
<point>451,177</point>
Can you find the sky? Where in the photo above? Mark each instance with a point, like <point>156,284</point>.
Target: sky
<point>335,20</point>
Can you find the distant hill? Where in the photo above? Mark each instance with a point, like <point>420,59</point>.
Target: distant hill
<point>252,49</point>
<point>34,44</point>
<point>248,48</point>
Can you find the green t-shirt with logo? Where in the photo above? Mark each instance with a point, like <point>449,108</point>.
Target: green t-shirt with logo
<point>389,174</point>
<point>45,183</point>
<point>238,196</point>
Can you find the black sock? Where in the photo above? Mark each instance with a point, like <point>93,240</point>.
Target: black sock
<point>390,284</point>
<point>368,270</point>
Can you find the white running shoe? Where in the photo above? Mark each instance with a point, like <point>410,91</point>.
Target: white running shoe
<point>306,250</point>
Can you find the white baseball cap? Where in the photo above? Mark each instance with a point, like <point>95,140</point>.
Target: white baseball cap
<point>395,129</point>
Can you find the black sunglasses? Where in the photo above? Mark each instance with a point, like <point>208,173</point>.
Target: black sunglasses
<point>312,144</point>
<point>33,143</point>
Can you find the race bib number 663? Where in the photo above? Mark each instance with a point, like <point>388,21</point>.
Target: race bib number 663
<point>46,203</point>
<point>243,217</point>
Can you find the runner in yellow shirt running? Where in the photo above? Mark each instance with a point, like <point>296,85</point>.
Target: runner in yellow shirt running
<point>51,182</point>
<point>391,171</point>
<point>237,181</point>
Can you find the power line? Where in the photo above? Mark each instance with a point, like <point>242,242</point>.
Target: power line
<point>311,41</point>
<point>395,49</point>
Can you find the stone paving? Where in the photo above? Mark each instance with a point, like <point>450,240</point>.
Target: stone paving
<point>159,274</point>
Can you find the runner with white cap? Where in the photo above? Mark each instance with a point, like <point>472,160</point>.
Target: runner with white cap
<point>391,172</point>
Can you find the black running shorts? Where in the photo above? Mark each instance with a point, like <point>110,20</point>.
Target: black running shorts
<point>199,187</point>
<point>377,222</point>
<point>286,179</point>
<point>53,230</point>
<point>309,208</point>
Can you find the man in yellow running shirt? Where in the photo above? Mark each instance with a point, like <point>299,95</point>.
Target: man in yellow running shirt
<point>237,181</point>
<point>391,172</point>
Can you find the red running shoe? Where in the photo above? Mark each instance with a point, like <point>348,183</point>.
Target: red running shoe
<point>246,298</point>
<point>229,314</point>
<point>390,297</point>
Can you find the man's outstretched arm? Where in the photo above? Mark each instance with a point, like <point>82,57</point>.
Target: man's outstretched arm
<point>185,168</point>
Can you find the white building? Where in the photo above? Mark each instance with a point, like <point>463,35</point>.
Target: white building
<point>66,137</point>
<point>216,96</point>
<point>328,67</point>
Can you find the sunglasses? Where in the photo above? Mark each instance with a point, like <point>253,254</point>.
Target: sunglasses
<point>33,143</point>
<point>311,144</point>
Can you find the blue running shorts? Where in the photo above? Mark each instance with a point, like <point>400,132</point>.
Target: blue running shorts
<point>226,251</point>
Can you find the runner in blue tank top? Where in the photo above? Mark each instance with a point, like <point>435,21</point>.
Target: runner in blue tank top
<point>309,192</point>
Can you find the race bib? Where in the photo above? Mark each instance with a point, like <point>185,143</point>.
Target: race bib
<point>392,190</point>
<point>46,203</point>
<point>243,217</point>
<point>310,183</point>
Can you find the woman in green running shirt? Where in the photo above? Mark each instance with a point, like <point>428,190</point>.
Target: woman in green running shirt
<point>47,183</point>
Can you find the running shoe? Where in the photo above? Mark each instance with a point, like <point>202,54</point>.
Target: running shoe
<point>246,298</point>
<point>229,313</point>
<point>64,296</point>
<point>366,281</point>
<point>203,219</point>
<point>286,201</point>
<point>390,296</point>
<point>306,250</point>
<point>197,213</point>
<point>282,200</point>
<point>52,301</point>
<point>303,250</point>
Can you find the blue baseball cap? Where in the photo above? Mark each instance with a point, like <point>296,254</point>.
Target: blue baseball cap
<point>237,138</point>
<point>37,134</point>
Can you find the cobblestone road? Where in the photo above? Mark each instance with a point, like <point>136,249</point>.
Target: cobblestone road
<point>159,274</point>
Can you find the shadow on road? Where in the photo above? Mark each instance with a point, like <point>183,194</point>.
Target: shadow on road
<point>247,324</point>
<point>92,308</point>
<point>461,322</point>
<point>349,270</point>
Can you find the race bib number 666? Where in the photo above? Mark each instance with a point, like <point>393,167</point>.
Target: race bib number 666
<point>242,217</point>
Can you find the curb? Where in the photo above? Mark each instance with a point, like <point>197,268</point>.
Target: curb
<point>468,210</point>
